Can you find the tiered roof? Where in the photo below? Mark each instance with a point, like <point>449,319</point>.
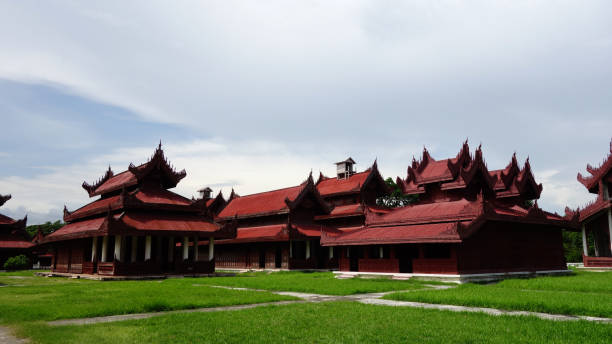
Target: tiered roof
<point>137,202</point>
<point>479,196</point>
<point>354,184</point>
<point>273,202</point>
<point>469,173</point>
<point>12,232</point>
<point>443,222</point>
<point>599,183</point>
<point>110,182</point>
<point>597,174</point>
<point>277,233</point>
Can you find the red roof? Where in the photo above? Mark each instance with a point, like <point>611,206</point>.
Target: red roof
<point>435,171</point>
<point>261,203</point>
<point>121,180</point>
<point>422,233</point>
<point>308,230</point>
<point>5,220</point>
<point>161,196</point>
<point>331,186</point>
<point>458,172</point>
<point>430,212</point>
<point>146,195</point>
<point>110,182</point>
<point>169,222</point>
<point>271,233</point>
<point>594,208</point>
<point>77,229</point>
<point>95,207</point>
<point>597,173</point>
<point>439,222</point>
<point>354,209</point>
<point>15,244</point>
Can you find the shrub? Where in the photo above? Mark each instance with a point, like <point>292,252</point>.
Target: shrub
<point>17,263</point>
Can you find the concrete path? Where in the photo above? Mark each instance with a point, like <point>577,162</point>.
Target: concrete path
<point>112,318</point>
<point>369,299</point>
<point>7,338</point>
<point>489,311</point>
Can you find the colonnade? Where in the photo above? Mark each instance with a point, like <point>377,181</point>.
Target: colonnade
<point>120,245</point>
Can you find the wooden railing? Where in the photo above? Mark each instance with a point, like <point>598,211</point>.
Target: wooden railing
<point>592,262</point>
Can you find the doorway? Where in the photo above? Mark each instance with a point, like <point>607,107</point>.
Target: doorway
<point>405,255</point>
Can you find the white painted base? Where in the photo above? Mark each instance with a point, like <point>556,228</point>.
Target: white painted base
<point>459,279</point>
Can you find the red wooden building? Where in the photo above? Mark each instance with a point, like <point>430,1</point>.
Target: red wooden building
<point>282,228</point>
<point>276,229</point>
<point>468,220</point>
<point>351,194</point>
<point>14,239</point>
<point>137,226</point>
<point>596,217</point>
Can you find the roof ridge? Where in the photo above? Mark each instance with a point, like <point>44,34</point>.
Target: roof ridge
<point>270,191</point>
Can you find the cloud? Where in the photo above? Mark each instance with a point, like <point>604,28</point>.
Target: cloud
<point>233,66</point>
<point>256,94</point>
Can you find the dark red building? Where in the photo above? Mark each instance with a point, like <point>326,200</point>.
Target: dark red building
<point>276,229</point>
<point>137,226</point>
<point>14,239</point>
<point>596,217</point>
<point>468,220</point>
<point>282,228</point>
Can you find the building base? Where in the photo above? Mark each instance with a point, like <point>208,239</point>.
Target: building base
<point>458,278</point>
<point>97,277</point>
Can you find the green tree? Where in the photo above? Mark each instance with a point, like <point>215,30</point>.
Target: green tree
<point>19,262</point>
<point>396,197</point>
<point>572,246</point>
<point>46,228</point>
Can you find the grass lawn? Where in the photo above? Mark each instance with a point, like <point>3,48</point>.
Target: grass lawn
<point>334,322</point>
<point>25,297</point>
<point>586,293</point>
<point>313,282</point>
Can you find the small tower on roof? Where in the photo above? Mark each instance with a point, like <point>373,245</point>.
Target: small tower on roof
<point>205,193</point>
<point>345,169</point>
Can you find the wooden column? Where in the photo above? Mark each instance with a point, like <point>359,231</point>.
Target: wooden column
<point>290,249</point>
<point>185,248</point>
<point>171,249</point>
<point>380,252</point>
<point>94,249</point>
<point>104,247</point>
<point>195,249</point>
<point>331,252</point>
<point>147,248</point>
<point>307,249</point>
<point>134,252</point>
<point>118,247</point>
<point>585,244</point>
<point>211,249</point>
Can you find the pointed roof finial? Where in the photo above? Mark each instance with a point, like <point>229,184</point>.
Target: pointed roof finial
<point>160,145</point>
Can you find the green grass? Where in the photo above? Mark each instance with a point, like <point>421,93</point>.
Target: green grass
<point>28,298</point>
<point>337,322</point>
<point>314,282</point>
<point>586,293</point>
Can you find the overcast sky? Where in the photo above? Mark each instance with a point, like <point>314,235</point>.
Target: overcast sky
<point>255,95</point>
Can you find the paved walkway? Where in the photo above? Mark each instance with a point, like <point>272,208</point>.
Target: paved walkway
<point>7,338</point>
<point>489,311</point>
<point>369,299</point>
